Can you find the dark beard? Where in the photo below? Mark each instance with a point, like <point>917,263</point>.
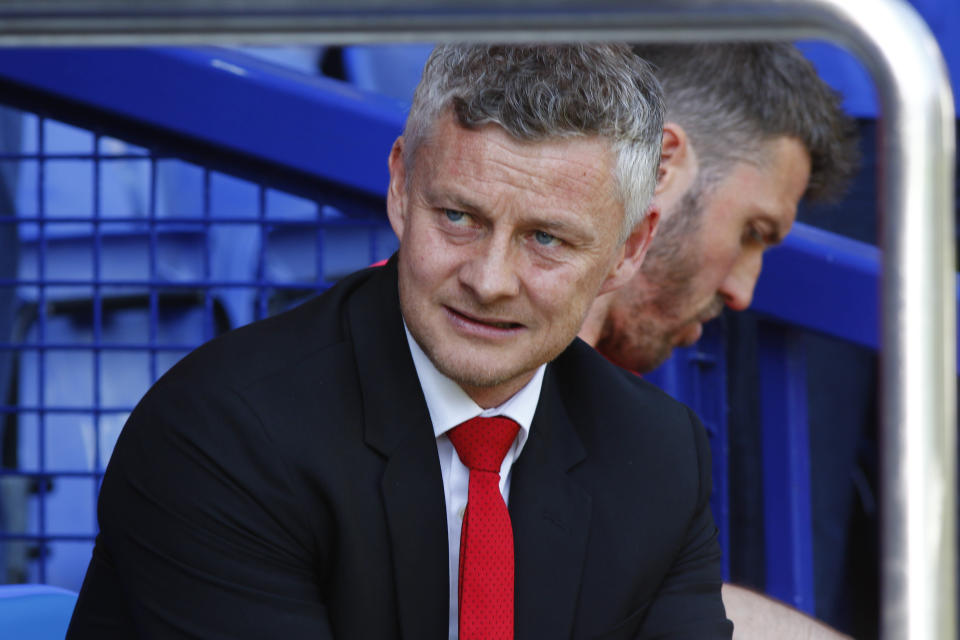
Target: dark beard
<point>632,338</point>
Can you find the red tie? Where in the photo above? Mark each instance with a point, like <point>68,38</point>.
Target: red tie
<point>486,539</point>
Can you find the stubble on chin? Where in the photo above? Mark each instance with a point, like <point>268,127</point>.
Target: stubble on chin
<point>631,341</point>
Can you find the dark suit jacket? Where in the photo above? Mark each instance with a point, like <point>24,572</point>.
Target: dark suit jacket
<point>282,481</point>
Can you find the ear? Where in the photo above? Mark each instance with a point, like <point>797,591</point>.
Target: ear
<point>397,191</point>
<point>678,160</point>
<point>632,252</point>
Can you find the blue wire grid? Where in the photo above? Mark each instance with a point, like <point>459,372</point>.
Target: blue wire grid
<point>128,259</point>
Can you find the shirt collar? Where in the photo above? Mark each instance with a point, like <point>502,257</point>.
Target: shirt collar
<point>449,405</point>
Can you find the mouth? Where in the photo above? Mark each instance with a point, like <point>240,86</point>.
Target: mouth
<point>690,335</point>
<point>711,312</point>
<point>469,321</point>
<point>693,330</point>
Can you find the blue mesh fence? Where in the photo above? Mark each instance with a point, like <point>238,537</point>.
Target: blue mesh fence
<point>128,258</point>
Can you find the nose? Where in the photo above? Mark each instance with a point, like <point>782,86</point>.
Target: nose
<point>737,288</point>
<point>491,274</point>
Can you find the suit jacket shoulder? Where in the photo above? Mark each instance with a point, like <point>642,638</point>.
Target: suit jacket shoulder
<point>615,479</point>
<point>246,498</point>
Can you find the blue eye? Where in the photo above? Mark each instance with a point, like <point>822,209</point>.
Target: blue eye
<point>545,238</point>
<point>454,216</point>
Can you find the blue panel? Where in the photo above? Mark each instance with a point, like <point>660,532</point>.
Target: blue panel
<point>226,101</point>
<point>35,612</point>
<point>129,257</point>
<point>822,281</point>
<point>786,467</point>
<point>845,74</point>
<point>825,282</point>
<point>73,403</point>
<point>392,70</point>
<point>842,71</point>
<point>697,376</point>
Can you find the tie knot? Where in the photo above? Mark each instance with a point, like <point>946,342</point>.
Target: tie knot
<point>481,443</point>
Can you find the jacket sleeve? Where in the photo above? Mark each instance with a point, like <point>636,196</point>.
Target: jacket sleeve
<point>202,533</point>
<point>688,604</point>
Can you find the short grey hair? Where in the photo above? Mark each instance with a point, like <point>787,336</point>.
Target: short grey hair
<point>547,92</point>
<point>730,98</point>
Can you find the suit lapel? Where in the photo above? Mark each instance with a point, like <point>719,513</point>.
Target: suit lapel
<point>397,424</point>
<point>551,521</point>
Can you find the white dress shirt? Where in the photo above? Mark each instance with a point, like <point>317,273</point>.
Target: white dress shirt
<point>449,405</point>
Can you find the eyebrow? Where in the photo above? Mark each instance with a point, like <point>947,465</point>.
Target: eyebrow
<point>558,227</point>
<point>458,201</point>
<point>435,196</point>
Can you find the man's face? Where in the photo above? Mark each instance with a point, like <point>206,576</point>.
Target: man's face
<point>708,254</point>
<point>503,246</point>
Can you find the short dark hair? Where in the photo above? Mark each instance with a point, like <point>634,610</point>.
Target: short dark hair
<point>731,97</point>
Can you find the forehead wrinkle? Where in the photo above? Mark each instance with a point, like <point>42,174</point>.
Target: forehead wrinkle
<point>781,169</point>
<point>555,154</point>
<point>769,192</point>
<point>556,189</point>
<point>526,179</point>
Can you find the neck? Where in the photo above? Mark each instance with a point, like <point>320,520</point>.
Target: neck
<point>489,397</point>
<point>592,327</point>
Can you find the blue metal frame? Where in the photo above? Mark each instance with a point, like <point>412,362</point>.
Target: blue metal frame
<point>697,376</point>
<point>844,274</point>
<point>786,466</point>
<point>218,106</point>
<point>35,611</point>
<point>845,73</point>
<point>114,298</point>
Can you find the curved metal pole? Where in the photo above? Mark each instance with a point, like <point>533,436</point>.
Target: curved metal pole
<point>918,491</point>
<point>916,193</point>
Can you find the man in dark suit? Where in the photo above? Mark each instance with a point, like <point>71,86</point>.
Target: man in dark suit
<point>306,476</point>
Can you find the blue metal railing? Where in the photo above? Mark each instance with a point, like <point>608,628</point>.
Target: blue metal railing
<point>115,287</point>
<point>218,106</point>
